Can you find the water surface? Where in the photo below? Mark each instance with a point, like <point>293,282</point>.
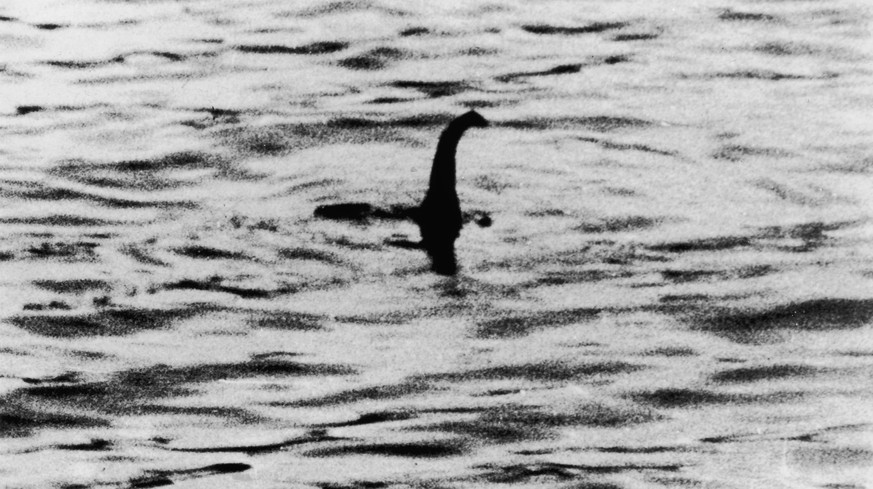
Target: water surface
<point>675,291</point>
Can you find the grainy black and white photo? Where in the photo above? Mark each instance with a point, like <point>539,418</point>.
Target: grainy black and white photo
<point>384,244</point>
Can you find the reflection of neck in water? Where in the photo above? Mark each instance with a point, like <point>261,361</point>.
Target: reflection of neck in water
<point>439,217</point>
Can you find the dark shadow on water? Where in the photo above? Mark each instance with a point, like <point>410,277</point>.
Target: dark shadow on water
<point>775,48</point>
<point>347,211</point>
<point>575,277</point>
<point>284,320</point>
<point>705,244</point>
<point>146,175</point>
<point>547,371</point>
<point>681,276</point>
<point>754,271</point>
<point>95,445</point>
<point>362,484</point>
<point>28,109</point>
<point>764,75</point>
<point>69,377</point>
<point>51,306</point>
<point>734,16</point>
<point>824,456</point>
<point>107,322</point>
<point>73,286</point>
<point>160,478</point>
<point>546,212</point>
<point>821,435</point>
<point>390,100</point>
<point>539,372</point>
<point>49,26</point>
<point>214,284</point>
<point>764,373</point>
<point>671,351</point>
<point>512,325</point>
<point>314,436</point>
<point>620,224</point>
<point>374,59</point>
<point>142,256</point>
<point>435,89</point>
<point>673,398</point>
<point>692,275</point>
<point>285,138</point>
<point>485,104</point>
<point>209,253</point>
<point>811,234</point>
<point>83,65</point>
<point>635,36</point>
<point>755,326</point>
<point>372,418</point>
<point>414,31</point>
<point>63,220</point>
<point>592,28</point>
<point>602,123</point>
<point>41,191</point>
<point>19,421</point>
<point>323,47</point>
<point>626,146</point>
<point>379,392</point>
<point>430,449</point>
<point>138,392</point>
<point>738,152</point>
<point>79,250</point>
<point>347,6</point>
<point>325,183</point>
<point>633,450</point>
<point>310,254</point>
<point>537,472</point>
<point>89,65</point>
<point>566,69</point>
<point>226,115</point>
<point>511,423</point>
<point>684,398</point>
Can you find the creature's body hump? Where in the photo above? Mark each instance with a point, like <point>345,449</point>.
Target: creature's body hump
<point>439,218</point>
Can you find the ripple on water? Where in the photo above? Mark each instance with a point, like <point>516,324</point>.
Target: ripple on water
<point>490,377</point>
<point>147,175</point>
<point>765,372</point>
<point>424,449</point>
<point>602,123</point>
<point>757,326</point>
<point>315,48</point>
<point>106,322</point>
<point>736,16</point>
<point>593,28</point>
<point>513,325</point>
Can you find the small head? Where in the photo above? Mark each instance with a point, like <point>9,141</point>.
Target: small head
<point>472,119</point>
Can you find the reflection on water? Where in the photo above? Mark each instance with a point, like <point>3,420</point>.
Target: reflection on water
<point>675,290</point>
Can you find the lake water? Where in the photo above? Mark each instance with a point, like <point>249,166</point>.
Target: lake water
<point>676,291</point>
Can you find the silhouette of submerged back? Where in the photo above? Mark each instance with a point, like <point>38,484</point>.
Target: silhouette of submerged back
<point>439,216</point>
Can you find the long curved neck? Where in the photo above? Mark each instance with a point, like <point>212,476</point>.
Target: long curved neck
<point>442,173</point>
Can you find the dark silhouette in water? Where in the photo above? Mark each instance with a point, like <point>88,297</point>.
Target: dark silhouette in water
<point>439,216</point>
